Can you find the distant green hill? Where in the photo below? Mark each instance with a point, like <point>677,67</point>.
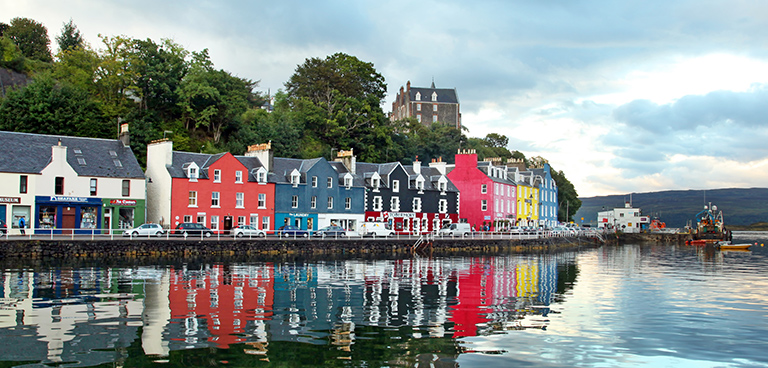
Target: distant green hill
<point>677,207</point>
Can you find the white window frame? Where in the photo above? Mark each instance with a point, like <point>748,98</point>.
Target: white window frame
<point>394,204</point>
<point>443,206</point>
<point>484,205</point>
<point>417,204</point>
<point>217,176</point>
<point>265,222</point>
<point>313,202</point>
<point>262,200</point>
<point>254,220</point>
<point>295,201</point>
<point>330,182</point>
<point>396,186</point>
<point>418,107</point>
<point>434,107</point>
<point>187,218</point>
<point>330,202</point>
<point>238,177</point>
<point>314,182</point>
<point>192,199</point>
<point>214,222</point>
<point>240,220</point>
<point>348,203</point>
<point>483,188</point>
<point>215,200</point>
<point>239,200</point>
<point>377,203</point>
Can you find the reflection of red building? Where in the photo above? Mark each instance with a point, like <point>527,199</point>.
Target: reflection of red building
<point>226,300</point>
<point>476,290</point>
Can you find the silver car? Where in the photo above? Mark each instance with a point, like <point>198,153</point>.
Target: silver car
<point>145,230</point>
<point>249,231</point>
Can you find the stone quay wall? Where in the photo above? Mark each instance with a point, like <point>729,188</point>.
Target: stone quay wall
<point>258,249</point>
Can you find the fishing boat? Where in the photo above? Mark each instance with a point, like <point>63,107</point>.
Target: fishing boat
<point>710,226</point>
<point>727,245</point>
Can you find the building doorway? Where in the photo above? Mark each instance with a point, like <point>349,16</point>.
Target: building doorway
<point>67,220</point>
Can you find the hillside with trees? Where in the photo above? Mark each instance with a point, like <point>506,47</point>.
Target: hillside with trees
<point>163,90</point>
<point>677,208</point>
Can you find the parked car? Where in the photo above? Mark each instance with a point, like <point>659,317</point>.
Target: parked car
<point>293,231</point>
<point>516,230</point>
<point>331,231</point>
<point>145,230</point>
<point>192,228</point>
<point>3,228</point>
<point>249,231</point>
<point>458,229</point>
<point>376,229</point>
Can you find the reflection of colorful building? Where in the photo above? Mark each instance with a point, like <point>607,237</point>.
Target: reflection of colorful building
<point>222,299</point>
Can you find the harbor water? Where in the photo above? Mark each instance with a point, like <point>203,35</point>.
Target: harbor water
<point>635,305</point>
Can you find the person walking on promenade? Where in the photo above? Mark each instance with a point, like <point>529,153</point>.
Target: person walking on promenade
<point>22,224</point>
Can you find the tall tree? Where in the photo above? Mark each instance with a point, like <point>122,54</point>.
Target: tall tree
<point>3,27</point>
<point>114,78</point>
<point>31,37</point>
<point>49,108</point>
<point>339,100</point>
<point>211,98</point>
<point>567,196</point>
<point>70,37</point>
<point>159,70</point>
<point>10,55</point>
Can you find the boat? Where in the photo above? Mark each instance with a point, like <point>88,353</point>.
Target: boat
<point>727,245</point>
<point>710,226</point>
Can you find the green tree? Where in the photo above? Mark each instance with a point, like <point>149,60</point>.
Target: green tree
<point>3,27</point>
<point>70,37</point>
<point>159,70</point>
<point>211,98</point>
<point>31,37</point>
<point>114,78</point>
<point>10,55</point>
<point>567,196</point>
<point>338,99</point>
<point>46,107</point>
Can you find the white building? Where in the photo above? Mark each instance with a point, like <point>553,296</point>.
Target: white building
<point>626,219</point>
<point>66,183</point>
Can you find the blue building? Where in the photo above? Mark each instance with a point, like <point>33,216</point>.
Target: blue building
<point>314,193</point>
<point>548,204</point>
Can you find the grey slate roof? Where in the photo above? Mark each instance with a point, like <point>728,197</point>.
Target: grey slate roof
<point>444,95</point>
<point>31,153</point>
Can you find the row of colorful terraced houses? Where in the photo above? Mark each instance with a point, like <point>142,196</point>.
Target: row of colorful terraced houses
<point>65,184</point>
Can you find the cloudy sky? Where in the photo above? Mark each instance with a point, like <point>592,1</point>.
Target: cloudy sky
<point>623,96</point>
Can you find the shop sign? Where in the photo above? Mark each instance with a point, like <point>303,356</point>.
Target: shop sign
<point>298,214</point>
<point>68,199</point>
<point>487,218</point>
<point>10,200</point>
<point>123,202</point>
<point>400,214</point>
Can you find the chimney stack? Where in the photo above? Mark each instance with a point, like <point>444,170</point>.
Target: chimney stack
<point>124,136</point>
<point>264,153</point>
<point>348,159</point>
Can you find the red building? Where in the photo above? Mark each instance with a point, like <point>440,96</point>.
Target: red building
<point>488,196</point>
<point>220,191</point>
<point>234,305</point>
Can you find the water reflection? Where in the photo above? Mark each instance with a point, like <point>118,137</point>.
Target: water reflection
<point>352,307</point>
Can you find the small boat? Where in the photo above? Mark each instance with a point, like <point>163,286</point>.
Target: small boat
<point>726,245</point>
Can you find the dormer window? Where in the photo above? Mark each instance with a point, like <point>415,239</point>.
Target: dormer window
<point>375,183</point>
<point>434,96</point>
<point>418,96</point>
<point>192,172</point>
<point>295,178</point>
<point>261,175</point>
<point>348,181</point>
<point>420,183</point>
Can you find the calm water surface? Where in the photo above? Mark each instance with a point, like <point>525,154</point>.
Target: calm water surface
<point>627,306</point>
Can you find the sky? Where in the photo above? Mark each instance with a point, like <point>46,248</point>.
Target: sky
<point>622,96</point>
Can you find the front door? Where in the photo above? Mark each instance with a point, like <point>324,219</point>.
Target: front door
<point>227,223</point>
<point>107,219</point>
<point>67,220</point>
<point>310,224</point>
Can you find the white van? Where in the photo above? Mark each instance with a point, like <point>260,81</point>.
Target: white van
<point>376,229</point>
<point>460,229</point>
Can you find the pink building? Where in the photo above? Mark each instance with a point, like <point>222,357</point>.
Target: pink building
<point>488,196</point>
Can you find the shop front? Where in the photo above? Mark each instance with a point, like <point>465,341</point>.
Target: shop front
<point>305,221</point>
<point>349,222</point>
<point>63,215</point>
<point>121,214</point>
<point>412,222</point>
<point>12,210</point>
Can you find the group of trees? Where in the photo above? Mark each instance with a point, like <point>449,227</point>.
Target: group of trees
<point>161,89</point>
